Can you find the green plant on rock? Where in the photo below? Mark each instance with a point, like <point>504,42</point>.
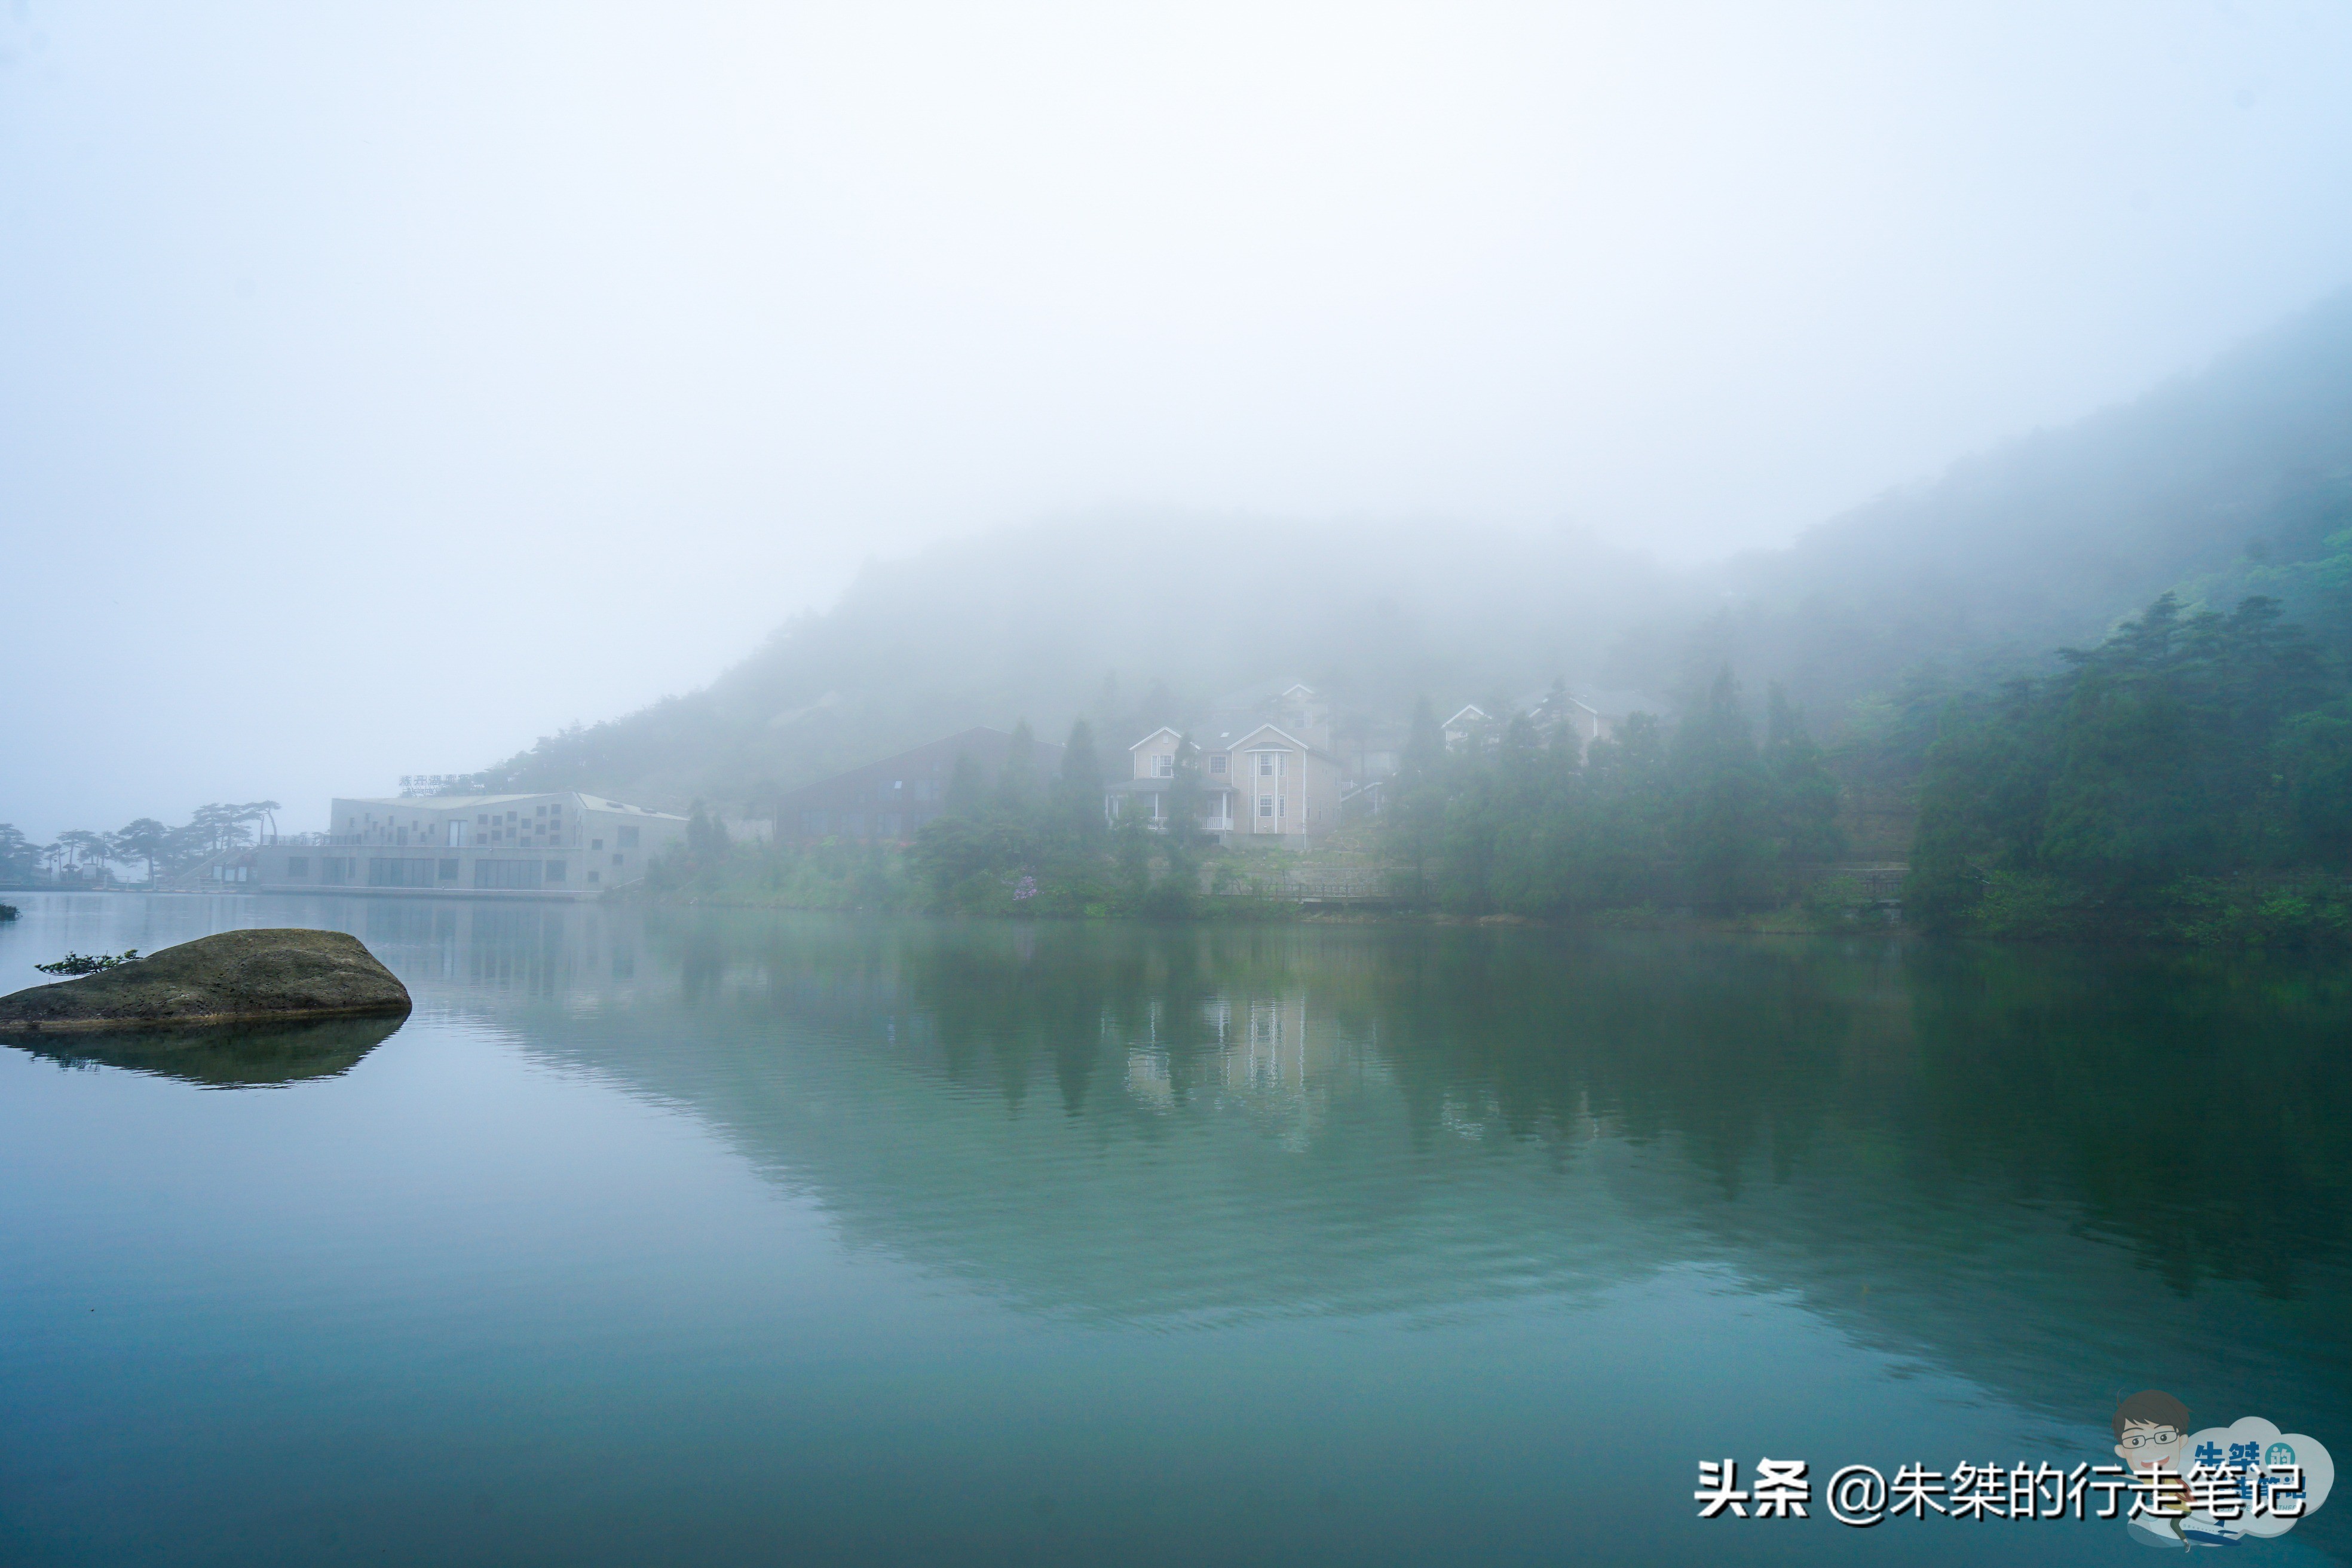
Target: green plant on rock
<point>74,963</point>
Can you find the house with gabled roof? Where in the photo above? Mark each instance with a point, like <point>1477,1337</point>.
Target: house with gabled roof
<point>1260,781</point>
<point>1588,715</point>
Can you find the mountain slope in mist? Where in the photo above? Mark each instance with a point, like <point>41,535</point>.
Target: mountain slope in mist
<point>2052,540</point>
<point>1133,620</point>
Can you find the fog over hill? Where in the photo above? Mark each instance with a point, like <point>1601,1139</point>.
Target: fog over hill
<point>2049,541</point>
<point>1135,618</point>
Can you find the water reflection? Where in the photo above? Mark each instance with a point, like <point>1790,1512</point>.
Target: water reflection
<point>2058,1174</point>
<point>231,1056</point>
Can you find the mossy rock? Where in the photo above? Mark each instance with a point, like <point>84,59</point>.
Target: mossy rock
<point>235,977</point>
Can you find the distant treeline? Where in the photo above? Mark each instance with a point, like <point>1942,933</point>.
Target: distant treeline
<point>84,856</point>
<point>1700,816</point>
<point>1704,815</point>
<point>1020,842</point>
<point>2191,778</point>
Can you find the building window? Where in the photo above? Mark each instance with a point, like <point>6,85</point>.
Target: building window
<point>449,870</point>
<point>1217,763</point>
<point>1266,806</point>
<point>1163,767</point>
<point>555,870</point>
<point>616,856</point>
<point>595,844</point>
<point>1265,766</point>
<point>297,864</point>
<point>626,839</point>
<point>596,876</point>
<point>505,873</point>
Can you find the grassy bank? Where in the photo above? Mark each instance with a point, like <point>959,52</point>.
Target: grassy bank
<point>2288,909</point>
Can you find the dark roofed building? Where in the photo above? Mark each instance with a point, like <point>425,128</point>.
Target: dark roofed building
<point>889,800</point>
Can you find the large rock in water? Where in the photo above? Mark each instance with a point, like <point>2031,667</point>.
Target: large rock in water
<point>237,976</point>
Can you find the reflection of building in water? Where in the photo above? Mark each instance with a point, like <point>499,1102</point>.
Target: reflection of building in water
<point>444,948</point>
<point>1257,1053</point>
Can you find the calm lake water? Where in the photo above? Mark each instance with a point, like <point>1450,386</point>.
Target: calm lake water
<point>703,1237</point>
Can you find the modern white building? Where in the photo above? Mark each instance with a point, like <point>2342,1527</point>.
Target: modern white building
<point>556,845</point>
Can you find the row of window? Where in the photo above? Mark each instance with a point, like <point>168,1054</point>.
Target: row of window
<point>1164,766</point>
<point>407,871</point>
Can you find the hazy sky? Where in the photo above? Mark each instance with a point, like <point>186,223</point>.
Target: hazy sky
<point>384,387</point>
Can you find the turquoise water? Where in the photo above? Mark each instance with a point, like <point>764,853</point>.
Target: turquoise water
<point>698,1237</point>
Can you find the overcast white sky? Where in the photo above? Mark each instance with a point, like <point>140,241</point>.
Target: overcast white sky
<point>384,387</point>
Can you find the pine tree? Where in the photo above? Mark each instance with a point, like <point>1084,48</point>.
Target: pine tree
<point>1078,793</point>
<point>1016,783</point>
<point>967,789</point>
<point>1804,794</point>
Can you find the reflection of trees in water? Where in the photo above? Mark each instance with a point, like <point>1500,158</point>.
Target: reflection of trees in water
<point>2049,1171</point>
<point>2200,1113</point>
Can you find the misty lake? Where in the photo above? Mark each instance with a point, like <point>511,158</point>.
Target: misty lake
<point>680,1235</point>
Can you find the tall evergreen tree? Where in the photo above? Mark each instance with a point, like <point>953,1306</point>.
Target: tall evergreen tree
<point>967,788</point>
<point>20,857</point>
<point>1415,806</point>
<point>145,839</point>
<point>1721,829</point>
<point>1016,783</point>
<point>1078,793</point>
<point>1803,792</point>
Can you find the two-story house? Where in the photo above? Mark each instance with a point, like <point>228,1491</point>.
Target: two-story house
<point>1265,786</point>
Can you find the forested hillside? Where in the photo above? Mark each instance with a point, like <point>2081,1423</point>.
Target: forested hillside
<point>2052,541</point>
<point>2189,777</point>
<point>2230,481</point>
<point>1127,622</point>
